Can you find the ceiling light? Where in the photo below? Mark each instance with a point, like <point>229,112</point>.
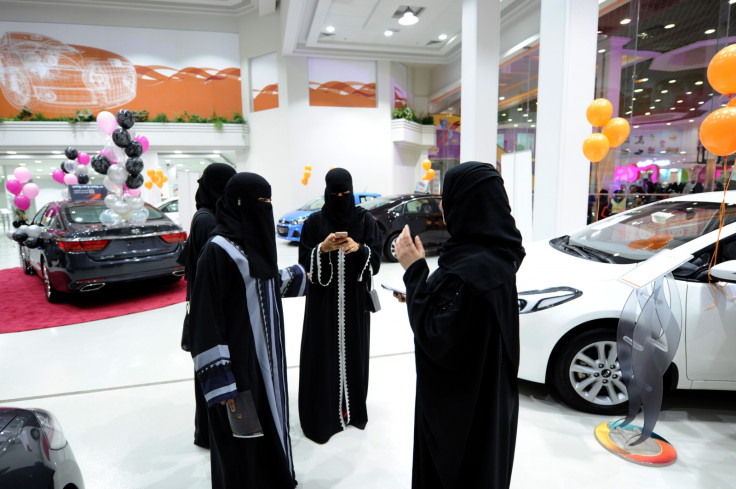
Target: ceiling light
<point>442,37</point>
<point>669,26</point>
<point>701,102</point>
<point>731,2</point>
<point>673,81</point>
<point>516,125</point>
<point>710,31</point>
<point>388,33</point>
<point>519,109</point>
<point>601,50</point>
<point>638,90</point>
<point>408,18</point>
<point>633,98</point>
<point>658,100</point>
<point>56,152</point>
<point>672,108</point>
<point>11,152</point>
<point>636,127</point>
<point>692,109</point>
<point>201,162</point>
<point>642,80</point>
<point>330,29</point>
<point>691,120</point>
<point>647,113</point>
<point>628,112</point>
<point>167,161</point>
<point>625,21</point>
<point>664,91</point>
<point>534,125</point>
<point>37,161</point>
<point>501,98</point>
<point>679,101</point>
<point>652,107</point>
<point>688,93</point>
<point>511,120</point>
<point>669,123</point>
<point>698,82</point>
<point>177,151</point>
<point>524,115</point>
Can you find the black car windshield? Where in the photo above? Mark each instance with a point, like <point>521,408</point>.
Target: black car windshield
<point>313,205</point>
<point>377,202</point>
<point>640,233</point>
<point>90,214</point>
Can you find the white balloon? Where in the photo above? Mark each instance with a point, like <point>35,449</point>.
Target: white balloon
<point>117,173</point>
<point>138,217</point>
<point>81,170</point>
<point>24,228</point>
<point>109,218</point>
<point>70,166</point>
<point>34,231</point>
<point>9,234</point>
<point>110,200</point>
<point>112,186</point>
<point>122,208</point>
<point>120,155</point>
<point>134,202</point>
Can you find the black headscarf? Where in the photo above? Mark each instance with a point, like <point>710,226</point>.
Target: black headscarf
<point>248,222</point>
<point>211,184</point>
<point>339,211</point>
<point>484,248</point>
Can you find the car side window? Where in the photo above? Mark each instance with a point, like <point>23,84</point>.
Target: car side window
<point>419,206</point>
<point>172,207</point>
<point>38,218</point>
<point>697,268</point>
<point>364,198</point>
<point>49,216</point>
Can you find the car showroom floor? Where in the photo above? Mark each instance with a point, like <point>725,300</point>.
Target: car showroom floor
<point>122,389</point>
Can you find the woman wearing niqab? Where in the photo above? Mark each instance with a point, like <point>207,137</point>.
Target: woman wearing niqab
<point>237,336</point>
<point>465,319</point>
<point>211,186</point>
<point>333,369</point>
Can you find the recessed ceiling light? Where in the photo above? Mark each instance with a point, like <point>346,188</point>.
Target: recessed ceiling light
<point>330,29</point>
<point>388,33</point>
<point>664,91</point>
<point>519,109</point>
<point>628,112</point>
<point>37,161</point>
<point>638,90</point>
<point>669,26</point>
<point>177,151</point>
<point>511,120</point>
<point>601,50</point>
<point>56,152</point>
<point>442,37</point>
<point>633,98</point>
<point>636,127</point>
<point>524,115</point>
<point>698,82</point>
<point>11,152</point>
<point>672,108</point>
<point>731,2</point>
<point>647,113</point>
<point>516,125</point>
<point>710,31</point>
<point>669,123</point>
<point>688,93</point>
<point>679,101</point>
<point>658,100</point>
<point>642,80</point>
<point>501,98</point>
<point>534,125</point>
<point>673,81</point>
<point>652,107</point>
<point>625,21</point>
<point>408,18</point>
<point>691,120</point>
<point>692,109</point>
<point>201,162</point>
<point>701,102</point>
<point>217,151</point>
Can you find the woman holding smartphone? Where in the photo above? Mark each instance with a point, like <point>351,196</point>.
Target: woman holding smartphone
<point>340,248</point>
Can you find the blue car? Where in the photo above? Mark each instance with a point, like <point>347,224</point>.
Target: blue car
<point>290,224</point>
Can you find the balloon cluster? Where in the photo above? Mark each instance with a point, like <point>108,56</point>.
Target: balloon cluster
<point>718,130</point>
<point>613,131</point>
<point>122,176</point>
<point>32,236</point>
<point>20,186</point>
<point>157,178</point>
<point>427,165</point>
<point>74,170</point>
<point>307,174</point>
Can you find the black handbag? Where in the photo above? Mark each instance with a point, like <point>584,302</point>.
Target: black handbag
<point>185,331</point>
<point>373,303</point>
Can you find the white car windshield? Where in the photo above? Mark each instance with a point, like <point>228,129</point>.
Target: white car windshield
<point>636,235</point>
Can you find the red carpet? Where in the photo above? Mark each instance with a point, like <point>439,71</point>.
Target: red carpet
<point>24,306</point>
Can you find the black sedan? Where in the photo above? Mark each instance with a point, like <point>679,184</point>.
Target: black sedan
<point>420,211</point>
<point>34,453</point>
<point>77,253</point>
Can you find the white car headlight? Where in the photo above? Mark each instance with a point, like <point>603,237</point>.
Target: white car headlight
<point>537,300</point>
<point>299,221</point>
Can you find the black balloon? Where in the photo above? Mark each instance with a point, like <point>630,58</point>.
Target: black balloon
<point>83,179</point>
<point>32,242</point>
<point>134,149</point>
<point>134,165</point>
<point>134,181</point>
<point>125,118</point>
<point>121,137</point>
<point>19,236</point>
<point>101,163</point>
<point>71,153</point>
<point>62,167</point>
<point>17,224</point>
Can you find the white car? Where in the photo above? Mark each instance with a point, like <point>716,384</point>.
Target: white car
<point>570,300</point>
<point>170,207</point>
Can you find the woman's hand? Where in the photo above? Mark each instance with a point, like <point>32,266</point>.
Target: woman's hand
<point>408,251</point>
<point>331,243</point>
<point>400,297</point>
<point>230,403</point>
<point>350,246</point>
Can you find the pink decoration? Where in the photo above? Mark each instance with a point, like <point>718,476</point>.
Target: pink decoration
<point>143,140</point>
<point>106,122</point>
<point>70,179</point>
<point>22,202</point>
<point>30,190</point>
<point>22,173</point>
<point>108,152</point>
<point>83,158</point>
<point>135,192</point>
<point>14,186</point>
<point>58,176</point>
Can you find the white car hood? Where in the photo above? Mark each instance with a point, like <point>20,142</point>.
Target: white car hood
<point>545,267</point>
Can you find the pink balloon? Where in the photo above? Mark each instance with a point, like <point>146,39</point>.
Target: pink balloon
<point>58,176</point>
<point>83,158</point>
<point>143,140</point>
<point>70,179</point>
<point>30,190</point>
<point>106,122</point>
<point>22,202</point>
<point>108,152</point>
<point>22,173</point>
<point>135,192</point>
<point>14,186</point>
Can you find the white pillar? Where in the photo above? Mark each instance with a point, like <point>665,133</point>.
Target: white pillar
<point>567,46</point>
<point>481,26</point>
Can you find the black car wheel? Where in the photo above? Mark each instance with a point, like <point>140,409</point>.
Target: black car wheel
<point>24,263</point>
<point>389,248</point>
<point>586,373</point>
<point>52,295</point>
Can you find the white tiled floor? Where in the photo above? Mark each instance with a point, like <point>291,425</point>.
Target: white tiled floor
<point>122,389</point>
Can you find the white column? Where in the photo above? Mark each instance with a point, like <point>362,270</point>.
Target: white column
<point>567,54</point>
<point>481,26</point>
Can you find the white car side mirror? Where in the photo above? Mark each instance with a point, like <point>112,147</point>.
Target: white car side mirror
<point>725,271</point>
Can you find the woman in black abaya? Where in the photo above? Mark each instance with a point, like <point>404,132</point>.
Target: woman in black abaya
<point>211,186</point>
<point>465,319</point>
<point>237,337</point>
<point>333,372</point>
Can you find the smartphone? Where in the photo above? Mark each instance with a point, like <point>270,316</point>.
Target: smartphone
<point>341,234</point>
<point>393,290</point>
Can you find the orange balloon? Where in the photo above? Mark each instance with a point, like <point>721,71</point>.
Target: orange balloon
<point>148,184</point>
<point>722,70</point>
<point>732,102</point>
<point>426,164</point>
<point>616,130</point>
<point>430,174</point>
<point>307,174</point>
<point>308,167</point>
<point>165,179</point>
<point>151,172</point>
<point>718,131</point>
<point>599,111</point>
<point>595,147</point>
<point>304,181</point>
<point>159,184</point>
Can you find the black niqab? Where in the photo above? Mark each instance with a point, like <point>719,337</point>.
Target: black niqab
<point>484,248</point>
<point>211,184</point>
<point>339,211</point>
<point>248,222</point>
